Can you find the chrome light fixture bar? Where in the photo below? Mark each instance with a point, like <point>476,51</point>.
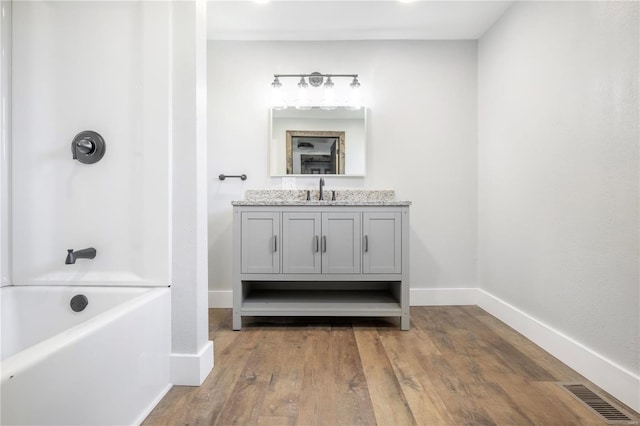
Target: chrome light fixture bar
<point>315,79</point>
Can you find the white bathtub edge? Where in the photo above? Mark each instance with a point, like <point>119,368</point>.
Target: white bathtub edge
<point>146,411</point>
<point>16,364</point>
<point>192,369</point>
<point>107,387</point>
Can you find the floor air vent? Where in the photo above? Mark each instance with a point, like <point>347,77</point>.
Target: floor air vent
<point>607,411</point>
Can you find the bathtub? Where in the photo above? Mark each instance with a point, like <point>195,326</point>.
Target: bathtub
<point>105,365</point>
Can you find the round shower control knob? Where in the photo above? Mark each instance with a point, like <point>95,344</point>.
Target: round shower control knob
<point>88,147</point>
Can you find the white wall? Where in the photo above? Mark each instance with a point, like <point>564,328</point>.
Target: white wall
<point>558,173</point>
<point>192,357</point>
<point>99,66</point>
<point>422,141</point>
<point>134,71</point>
<point>5,142</point>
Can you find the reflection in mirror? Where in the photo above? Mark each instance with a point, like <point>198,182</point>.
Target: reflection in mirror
<point>315,152</point>
<point>317,141</point>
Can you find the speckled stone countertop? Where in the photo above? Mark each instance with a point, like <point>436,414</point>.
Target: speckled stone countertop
<point>320,203</point>
<point>298,197</point>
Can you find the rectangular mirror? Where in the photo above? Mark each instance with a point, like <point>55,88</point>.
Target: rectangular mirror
<point>318,142</point>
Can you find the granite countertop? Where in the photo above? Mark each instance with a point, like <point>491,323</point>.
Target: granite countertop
<point>343,197</point>
<point>319,203</point>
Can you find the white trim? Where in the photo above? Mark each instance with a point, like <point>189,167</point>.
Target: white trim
<point>442,296</point>
<point>614,379</point>
<point>220,299</point>
<point>192,369</point>
<point>149,408</point>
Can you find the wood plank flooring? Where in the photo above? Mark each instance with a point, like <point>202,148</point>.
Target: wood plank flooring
<point>457,365</point>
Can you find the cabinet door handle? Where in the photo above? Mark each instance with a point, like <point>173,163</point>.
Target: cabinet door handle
<point>317,243</point>
<point>324,243</point>
<point>366,243</point>
<point>275,243</point>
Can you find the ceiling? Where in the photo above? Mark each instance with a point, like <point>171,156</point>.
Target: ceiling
<point>351,20</point>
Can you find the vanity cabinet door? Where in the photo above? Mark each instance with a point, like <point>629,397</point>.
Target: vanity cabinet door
<point>382,242</point>
<point>301,243</point>
<point>340,243</point>
<point>260,242</point>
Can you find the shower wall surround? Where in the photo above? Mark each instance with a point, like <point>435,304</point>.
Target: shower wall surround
<point>101,66</point>
<point>5,141</point>
<point>131,71</point>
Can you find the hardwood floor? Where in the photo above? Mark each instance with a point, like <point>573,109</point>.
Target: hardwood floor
<point>457,365</point>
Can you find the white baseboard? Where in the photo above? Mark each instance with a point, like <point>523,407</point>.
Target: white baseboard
<point>220,299</point>
<point>149,408</point>
<point>614,379</point>
<point>442,296</point>
<point>192,369</point>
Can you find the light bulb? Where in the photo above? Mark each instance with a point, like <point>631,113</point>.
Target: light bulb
<point>355,98</point>
<point>302,101</point>
<point>329,95</point>
<point>277,95</point>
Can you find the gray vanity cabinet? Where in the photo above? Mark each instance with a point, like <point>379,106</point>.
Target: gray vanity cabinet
<point>301,250</point>
<point>382,240</point>
<point>321,260</point>
<point>260,239</point>
<point>326,243</point>
<point>341,243</point>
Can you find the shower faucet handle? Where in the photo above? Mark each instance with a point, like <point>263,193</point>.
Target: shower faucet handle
<point>88,147</point>
<point>85,146</point>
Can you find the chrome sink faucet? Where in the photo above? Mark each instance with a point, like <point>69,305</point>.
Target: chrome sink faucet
<point>321,196</point>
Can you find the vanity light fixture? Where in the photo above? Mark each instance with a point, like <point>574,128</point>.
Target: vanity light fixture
<point>315,79</point>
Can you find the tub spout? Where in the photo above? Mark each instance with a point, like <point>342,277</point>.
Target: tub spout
<point>88,253</point>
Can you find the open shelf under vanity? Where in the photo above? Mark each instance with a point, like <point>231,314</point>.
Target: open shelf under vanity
<point>321,299</point>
